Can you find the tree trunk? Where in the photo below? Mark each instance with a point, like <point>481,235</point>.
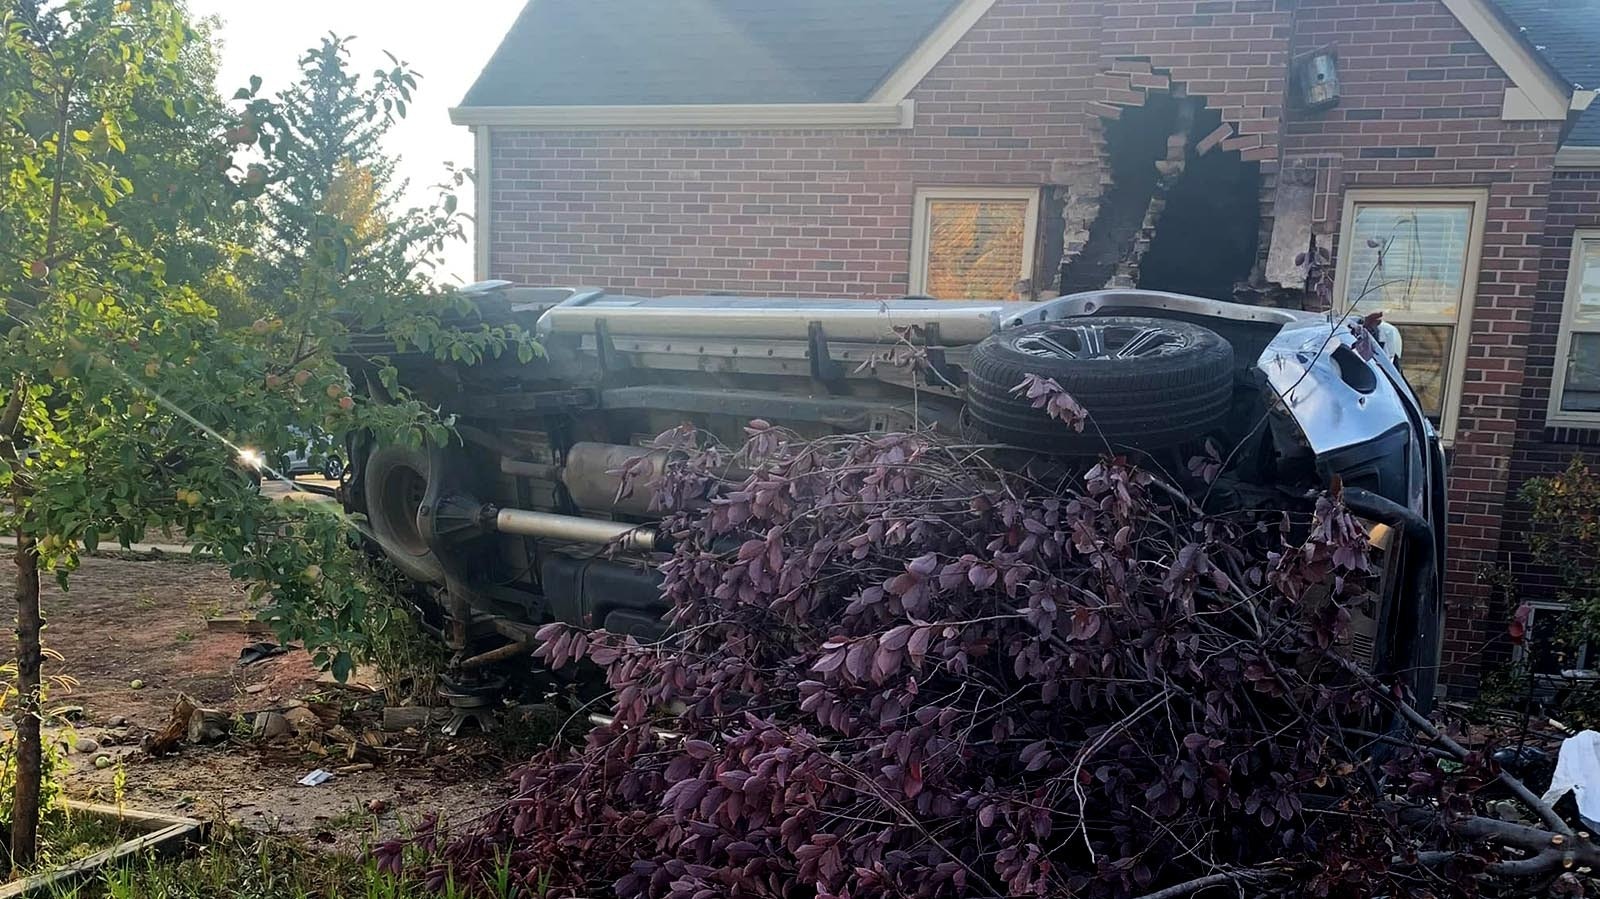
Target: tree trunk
<point>29,750</point>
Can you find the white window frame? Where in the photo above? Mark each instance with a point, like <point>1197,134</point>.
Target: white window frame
<point>1585,652</point>
<point>1555,415</point>
<point>1461,336</point>
<point>920,232</point>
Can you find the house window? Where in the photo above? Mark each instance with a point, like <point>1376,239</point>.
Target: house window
<point>1575,386</point>
<point>1550,636</point>
<point>974,243</point>
<point>1414,256</point>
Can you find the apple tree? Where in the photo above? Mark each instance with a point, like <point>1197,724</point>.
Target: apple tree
<point>140,348</point>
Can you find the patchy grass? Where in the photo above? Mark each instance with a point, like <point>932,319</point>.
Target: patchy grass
<point>243,865</point>
<point>67,838</point>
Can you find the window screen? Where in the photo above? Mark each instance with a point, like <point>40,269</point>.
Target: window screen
<point>972,245</point>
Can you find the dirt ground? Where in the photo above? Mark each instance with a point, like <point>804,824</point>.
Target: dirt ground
<point>126,622</point>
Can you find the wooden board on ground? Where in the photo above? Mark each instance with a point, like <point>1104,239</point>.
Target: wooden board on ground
<point>238,625</point>
<point>162,833</point>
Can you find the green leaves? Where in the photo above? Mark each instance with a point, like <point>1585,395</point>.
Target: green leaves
<point>175,306</point>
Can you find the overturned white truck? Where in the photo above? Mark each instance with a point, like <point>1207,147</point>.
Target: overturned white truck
<point>521,522</point>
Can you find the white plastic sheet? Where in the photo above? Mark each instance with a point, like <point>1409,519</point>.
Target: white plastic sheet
<point>1578,771</point>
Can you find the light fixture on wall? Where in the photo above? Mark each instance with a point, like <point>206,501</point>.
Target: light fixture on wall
<point>1316,80</point>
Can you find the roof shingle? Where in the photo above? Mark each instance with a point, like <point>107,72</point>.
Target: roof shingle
<point>1567,34</point>
<point>660,52</point>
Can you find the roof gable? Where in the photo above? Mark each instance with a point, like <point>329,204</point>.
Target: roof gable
<point>679,52</point>
<point>1566,33</point>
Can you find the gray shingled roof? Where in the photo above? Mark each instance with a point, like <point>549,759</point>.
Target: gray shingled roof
<point>656,52</point>
<point>1567,34</point>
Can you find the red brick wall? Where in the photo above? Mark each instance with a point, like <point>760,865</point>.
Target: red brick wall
<point>1421,107</point>
<point>1542,451</point>
<point>829,212</point>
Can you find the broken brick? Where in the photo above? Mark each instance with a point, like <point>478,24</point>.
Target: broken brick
<point>1103,110</point>
<point>1113,82</point>
<point>1128,97</point>
<point>1210,141</point>
<point>1241,143</point>
<point>1150,82</point>
<point>1127,66</point>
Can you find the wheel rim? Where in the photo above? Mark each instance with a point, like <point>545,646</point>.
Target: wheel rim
<point>404,489</point>
<point>1102,340</point>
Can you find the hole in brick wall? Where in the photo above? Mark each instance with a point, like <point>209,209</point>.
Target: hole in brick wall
<point>1207,237</point>
<point>1134,143</point>
<point>1170,219</point>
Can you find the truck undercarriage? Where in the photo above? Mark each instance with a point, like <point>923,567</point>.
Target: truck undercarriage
<point>527,518</point>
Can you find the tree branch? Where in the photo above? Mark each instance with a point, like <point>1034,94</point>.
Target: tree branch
<point>12,414</point>
<point>63,110</point>
<point>1551,852</point>
<point>1190,887</point>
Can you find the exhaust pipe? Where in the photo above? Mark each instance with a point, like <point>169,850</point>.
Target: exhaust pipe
<point>573,529</point>
<point>459,515</point>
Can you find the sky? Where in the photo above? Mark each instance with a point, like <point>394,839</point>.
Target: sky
<point>448,44</point>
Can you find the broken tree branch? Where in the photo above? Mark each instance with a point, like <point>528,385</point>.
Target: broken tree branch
<point>1221,878</point>
<point>1551,852</point>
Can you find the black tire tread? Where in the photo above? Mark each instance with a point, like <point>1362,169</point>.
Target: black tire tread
<point>1145,404</point>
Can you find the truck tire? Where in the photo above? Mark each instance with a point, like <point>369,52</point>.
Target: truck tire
<point>1147,383</point>
<point>394,481</point>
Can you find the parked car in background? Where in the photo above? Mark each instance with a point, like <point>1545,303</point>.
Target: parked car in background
<point>313,454</point>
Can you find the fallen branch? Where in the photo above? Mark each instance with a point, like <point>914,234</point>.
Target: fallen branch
<point>1550,852</point>
<point>1067,688</point>
<point>1221,878</point>
<point>1416,719</point>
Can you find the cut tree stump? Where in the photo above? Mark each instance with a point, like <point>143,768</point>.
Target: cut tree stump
<point>176,727</point>
<point>209,726</point>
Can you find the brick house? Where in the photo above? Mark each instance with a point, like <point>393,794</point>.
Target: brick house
<point>1036,147</point>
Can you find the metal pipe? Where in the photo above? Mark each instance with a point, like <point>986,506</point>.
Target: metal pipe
<point>633,537</point>
<point>692,318</point>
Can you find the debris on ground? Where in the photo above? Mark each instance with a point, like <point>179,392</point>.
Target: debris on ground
<point>270,726</point>
<point>177,727</point>
<point>209,726</point>
<point>262,650</point>
<point>411,717</point>
<point>238,624</point>
<point>248,781</point>
<point>316,778</point>
<point>1578,772</point>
